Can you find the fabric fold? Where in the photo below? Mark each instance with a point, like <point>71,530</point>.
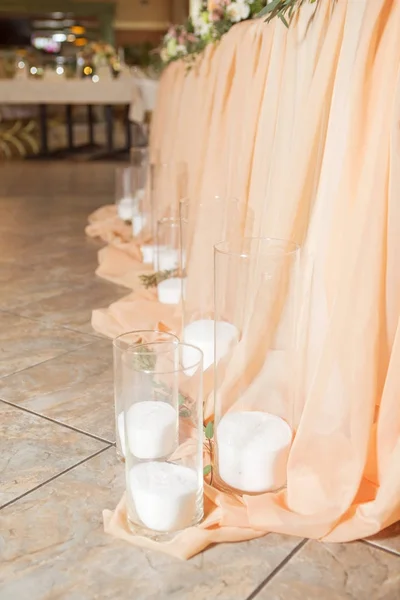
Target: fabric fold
<point>302,126</point>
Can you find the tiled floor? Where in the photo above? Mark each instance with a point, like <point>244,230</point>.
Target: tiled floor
<point>58,468</point>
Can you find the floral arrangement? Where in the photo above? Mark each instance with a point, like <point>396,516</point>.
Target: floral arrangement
<point>215,19</point>
<point>100,51</point>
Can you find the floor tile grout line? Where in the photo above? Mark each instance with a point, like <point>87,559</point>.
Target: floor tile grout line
<point>278,568</point>
<point>46,418</point>
<point>93,335</point>
<point>54,325</point>
<point>37,487</point>
<point>62,354</point>
<point>387,550</point>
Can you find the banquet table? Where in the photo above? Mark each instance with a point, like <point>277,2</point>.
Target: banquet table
<point>301,126</point>
<point>69,92</point>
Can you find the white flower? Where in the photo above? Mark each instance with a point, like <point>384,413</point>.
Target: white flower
<point>237,11</point>
<point>181,49</point>
<point>164,55</point>
<point>201,28</point>
<point>172,47</point>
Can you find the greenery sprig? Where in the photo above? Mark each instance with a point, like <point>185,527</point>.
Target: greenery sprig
<point>209,434</point>
<point>143,358</point>
<point>215,18</point>
<point>153,279</point>
<point>283,9</point>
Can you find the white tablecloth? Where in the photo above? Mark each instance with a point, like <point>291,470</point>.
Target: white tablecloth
<point>124,90</point>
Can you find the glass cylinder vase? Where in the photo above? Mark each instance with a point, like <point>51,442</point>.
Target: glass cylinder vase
<point>122,354</point>
<point>164,439</point>
<point>141,206</point>
<point>169,261</point>
<point>125,189</point>
<point>205,222</point>
<point>168,184</point>
<point>255,380</point>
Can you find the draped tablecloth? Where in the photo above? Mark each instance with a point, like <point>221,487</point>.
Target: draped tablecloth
<point>59,90</point>
<point>139,92</point>
<point>303,125</point>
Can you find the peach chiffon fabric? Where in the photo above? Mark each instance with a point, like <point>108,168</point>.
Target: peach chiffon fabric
<point>303,126</point>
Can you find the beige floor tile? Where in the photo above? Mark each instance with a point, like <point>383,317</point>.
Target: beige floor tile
<point>27,285</point>
<point>319,571</point>
<point>54,547</point>
<point>24,343</point>
<point>73,307</point>
<point>75,389</point>
<point>32,279</point>
<point>32,250</point>
<point>33,450</point>
<point>389,538</point>
<point>35,179</point>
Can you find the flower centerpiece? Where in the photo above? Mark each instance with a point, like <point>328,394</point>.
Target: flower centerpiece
<point>214,19</point>
<point>99,57</point>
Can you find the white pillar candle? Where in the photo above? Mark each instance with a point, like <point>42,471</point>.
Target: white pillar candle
<point>201,334</point>
<point>124,207</point>
<point>138,222</point>
<point>164,495</point>
<point>253,449</point>
<point>168,259</point>
<point>170,291</point>
<point>147,253</point>
<point>152,429</point>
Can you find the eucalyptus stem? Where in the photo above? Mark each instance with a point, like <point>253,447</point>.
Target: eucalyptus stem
<point>283,9</point>
<point>153,279</point>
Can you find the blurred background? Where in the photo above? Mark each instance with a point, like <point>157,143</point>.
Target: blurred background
<point>52,52</point>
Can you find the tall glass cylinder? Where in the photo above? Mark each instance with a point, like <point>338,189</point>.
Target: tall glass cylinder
<point>139,157</point>
<point>169,260</point>
<point>124,192</point>
<point>255,378</point>
<point>203,224</point>
<point>164,439</point>
<point>141,204</point>
<point>169,183</point>
<point>122,350</point>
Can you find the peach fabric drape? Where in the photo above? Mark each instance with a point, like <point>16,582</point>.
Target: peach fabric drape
<point>303,126</point>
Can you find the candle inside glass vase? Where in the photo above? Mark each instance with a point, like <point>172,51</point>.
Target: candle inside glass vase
<point>122,351</point>
<point>170,260</point>
<point>255,389</point>
<point>217,216</point>
<point>164,436</point>
<point>170,290</point>
<point>139,218</point>
<point>201,333</point>
<point>253,450</point>
<point>124,192</point>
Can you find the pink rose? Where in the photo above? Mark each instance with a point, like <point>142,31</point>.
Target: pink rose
<point>216,5</point>
<point>216,15</point>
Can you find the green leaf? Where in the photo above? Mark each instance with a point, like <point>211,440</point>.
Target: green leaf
<point>184,412</point>
<point>263,11</point>
<point>144,359</point>
<point>181,399</point>
<point>269,8</point>
<point>209,430</point>
<point>284,21</point>
<point>153,279</point>
<point>207,470</point>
